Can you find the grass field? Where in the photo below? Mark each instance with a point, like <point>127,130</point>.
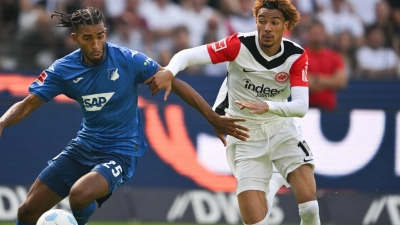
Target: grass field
<point>127,223</point>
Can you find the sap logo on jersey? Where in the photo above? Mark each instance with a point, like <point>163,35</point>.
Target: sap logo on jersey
<point>261,90</point>
<point>97,101</point>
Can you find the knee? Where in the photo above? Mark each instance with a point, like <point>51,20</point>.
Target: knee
<point>308,209</point>
<point>79,198</point>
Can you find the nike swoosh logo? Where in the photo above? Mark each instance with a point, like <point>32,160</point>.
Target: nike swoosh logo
<point>248,71</point>
<point>307,160</point>
<point>77,80</point>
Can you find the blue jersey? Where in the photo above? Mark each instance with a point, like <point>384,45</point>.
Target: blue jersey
<point>107,94</point>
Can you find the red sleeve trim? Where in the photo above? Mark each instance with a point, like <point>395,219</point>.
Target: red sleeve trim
<point>224,50</point>
<point>298,71</point>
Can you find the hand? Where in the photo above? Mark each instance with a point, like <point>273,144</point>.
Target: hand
<point>255,107</point>
<point>161,80</point>
<point>227,125</point>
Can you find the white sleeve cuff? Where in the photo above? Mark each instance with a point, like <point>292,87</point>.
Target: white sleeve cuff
<point>297,107</point>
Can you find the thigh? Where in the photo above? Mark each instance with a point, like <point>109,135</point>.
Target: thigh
<point>253,167</point>
<point>40,198</point>
<point>289,150</point>
<point>62,173</point>
<point>105,177</point>
<point>303,183</point>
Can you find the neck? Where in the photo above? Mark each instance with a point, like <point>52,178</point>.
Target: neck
<point>272,50</point>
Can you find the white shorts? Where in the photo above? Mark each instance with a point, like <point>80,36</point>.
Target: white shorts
<point>278,144</point>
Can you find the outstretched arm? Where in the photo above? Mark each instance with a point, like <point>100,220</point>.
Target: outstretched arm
<point>20,111</point>
<point>296,108</point>
<point>222,125</point>
<point>181,60</point>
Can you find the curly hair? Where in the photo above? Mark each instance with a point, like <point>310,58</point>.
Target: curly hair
<point>290,13</point>
<point>88,16</point>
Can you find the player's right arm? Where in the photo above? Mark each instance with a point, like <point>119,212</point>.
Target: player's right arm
<point>224,50</point>
<point>19,111</point>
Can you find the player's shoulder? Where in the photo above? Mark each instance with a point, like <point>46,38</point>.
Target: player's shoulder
<point>117,50</point>
<point>71,60</point>
<point>291,47</point>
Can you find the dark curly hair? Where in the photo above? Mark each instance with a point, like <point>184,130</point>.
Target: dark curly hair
<point>290,13</point>
<point>88,16</point>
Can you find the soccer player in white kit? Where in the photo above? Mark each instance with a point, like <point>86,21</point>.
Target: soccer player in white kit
<point>264,69</point>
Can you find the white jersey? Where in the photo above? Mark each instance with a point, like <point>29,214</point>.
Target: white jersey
<point>254,76</point>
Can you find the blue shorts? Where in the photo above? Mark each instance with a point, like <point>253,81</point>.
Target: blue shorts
<point>63,171</point>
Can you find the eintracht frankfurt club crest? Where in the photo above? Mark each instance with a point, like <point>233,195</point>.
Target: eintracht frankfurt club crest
<point>281,77</point>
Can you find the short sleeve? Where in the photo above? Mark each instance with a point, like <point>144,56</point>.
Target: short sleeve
<point>142,66</point>
<point>47,85</point>
<point>298,71</point>
<point>225,50</point>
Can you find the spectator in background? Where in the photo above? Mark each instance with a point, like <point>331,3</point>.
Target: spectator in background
<point>298,33</point>
<point>374,60</point>
<point>131,30</point>
<point>162,17</point>
<point>211,35</point>
<point>395,22</point>
<point>364,9</point>
<point>197,15</point>
<point>181,41</point>
<point>326,72</point>
<point>9,12</point>
<point>242,20</point>
<point>338,18</point>
<point>36,39</point>
<point>383,13</point>
<point>345,47</point>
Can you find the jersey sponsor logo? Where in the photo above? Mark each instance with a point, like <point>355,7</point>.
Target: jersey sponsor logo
<point>261,90</point>
<point>41,78</point>
<point>77,80</point>
<point>304,76</point>
<point>51,68</point>
<point>216,46</point>
<point>97,101</point>
<point>113,74</point>
<point>281,77</point>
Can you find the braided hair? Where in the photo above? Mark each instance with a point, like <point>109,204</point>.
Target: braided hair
<point>88,16</point>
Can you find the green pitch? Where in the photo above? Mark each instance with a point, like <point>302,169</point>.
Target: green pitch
<point>122,223</point>
<point>127,223</point>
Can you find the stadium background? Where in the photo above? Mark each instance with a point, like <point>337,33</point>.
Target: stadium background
<point>184,176</point>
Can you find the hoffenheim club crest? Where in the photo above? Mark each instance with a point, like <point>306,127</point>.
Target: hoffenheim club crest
<point>113,74</point>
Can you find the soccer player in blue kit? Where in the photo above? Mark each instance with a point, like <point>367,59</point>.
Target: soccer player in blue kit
<point>103,79</point>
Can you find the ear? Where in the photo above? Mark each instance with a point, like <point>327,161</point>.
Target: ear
<point>286,24</point>
<point>75,37</point>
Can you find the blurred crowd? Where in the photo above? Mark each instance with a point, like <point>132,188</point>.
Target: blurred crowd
<point>366,33</point>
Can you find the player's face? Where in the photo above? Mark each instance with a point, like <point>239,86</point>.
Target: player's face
<point>91,39</point>
<point>270,26</point>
